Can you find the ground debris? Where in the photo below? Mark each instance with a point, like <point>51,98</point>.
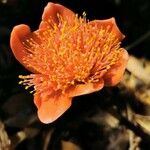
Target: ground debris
<point>4,139</point>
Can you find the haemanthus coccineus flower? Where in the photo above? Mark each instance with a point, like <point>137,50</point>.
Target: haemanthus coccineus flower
<point>68,56</point>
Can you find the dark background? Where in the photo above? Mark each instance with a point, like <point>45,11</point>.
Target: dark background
<point>16,106</point>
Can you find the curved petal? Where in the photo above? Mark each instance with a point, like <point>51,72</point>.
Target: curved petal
<point>113,26</point>
<point>37,100</point>
<point>114,74</point>
<point>18,35</point>
<point>52,10</point>
<point>51,108</point>
<point>83,89</point>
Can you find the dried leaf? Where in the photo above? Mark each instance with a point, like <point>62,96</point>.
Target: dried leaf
<point>143,121</point>
<point>66,145</point>
<point>137,80</point>
<point>4,140</point>
<point>144,95</point>
<point>134,140</point>
<point>106,119</point>
<point>139,68</point>
<point>20,136</point>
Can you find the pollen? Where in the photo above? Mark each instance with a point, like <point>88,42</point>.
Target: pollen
<point>66,54</point>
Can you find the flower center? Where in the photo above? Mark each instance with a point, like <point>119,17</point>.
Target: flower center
<point>69,53</point>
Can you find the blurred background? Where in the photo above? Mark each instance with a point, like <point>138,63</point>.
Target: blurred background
<point>112,119</point>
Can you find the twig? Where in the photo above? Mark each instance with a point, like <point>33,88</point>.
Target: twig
<point>138,41</point>
<point>47,139</point>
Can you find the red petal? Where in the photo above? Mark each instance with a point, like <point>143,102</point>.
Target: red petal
<point>51,108</point>
<point>114,74</point>
<point>18,35</point>
<point>52,10</point>
<point>85,88</point>
<point>113,26</point>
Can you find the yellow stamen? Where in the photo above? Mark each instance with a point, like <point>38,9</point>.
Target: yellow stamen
<point>69,53</point>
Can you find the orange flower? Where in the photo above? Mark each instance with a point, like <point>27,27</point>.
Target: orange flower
<point>68,56</point>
